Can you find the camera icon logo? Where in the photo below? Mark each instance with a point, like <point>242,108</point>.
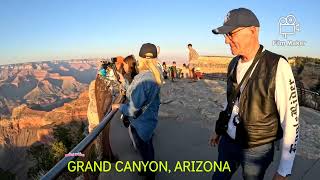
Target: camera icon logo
<point>288,25</point>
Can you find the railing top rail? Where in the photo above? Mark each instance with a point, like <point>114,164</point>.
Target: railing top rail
<point>54,172</point>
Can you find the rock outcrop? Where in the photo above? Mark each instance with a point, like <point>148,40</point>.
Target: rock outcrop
<point>28,126</point>
<point>100,103</point>
<point>43,85</point>
<point>213,64</point>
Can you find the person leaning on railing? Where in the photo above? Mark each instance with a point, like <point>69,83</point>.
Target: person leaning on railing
<point>143,103</point>
<point>103,70</point>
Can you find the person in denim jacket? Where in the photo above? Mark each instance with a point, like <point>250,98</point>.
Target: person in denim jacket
<point>143,103</point>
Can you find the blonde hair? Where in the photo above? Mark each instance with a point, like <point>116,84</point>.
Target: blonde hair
<point>151,65</point>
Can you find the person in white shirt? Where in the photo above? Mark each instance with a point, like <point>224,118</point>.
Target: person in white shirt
<point>264,110</point>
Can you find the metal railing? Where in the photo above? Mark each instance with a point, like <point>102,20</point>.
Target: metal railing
<point>57,170</point>
<point>308,98</point>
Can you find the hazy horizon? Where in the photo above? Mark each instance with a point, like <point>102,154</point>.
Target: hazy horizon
<point>168,60</point>
<point>55,30</point>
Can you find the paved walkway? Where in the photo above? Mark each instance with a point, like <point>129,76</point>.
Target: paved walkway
<point>179,139</point>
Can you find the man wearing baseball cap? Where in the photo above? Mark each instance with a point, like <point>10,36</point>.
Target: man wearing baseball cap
<point>262,103</point>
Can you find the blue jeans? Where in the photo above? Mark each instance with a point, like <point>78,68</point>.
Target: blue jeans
<point>146,151</point>
<point>254,161</point>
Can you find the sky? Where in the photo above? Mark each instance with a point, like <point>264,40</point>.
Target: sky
<point>38,30</point>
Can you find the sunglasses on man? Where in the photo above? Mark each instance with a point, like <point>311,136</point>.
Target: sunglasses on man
<point>231,34</point>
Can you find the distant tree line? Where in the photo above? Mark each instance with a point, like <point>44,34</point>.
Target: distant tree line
<point>301,59</point>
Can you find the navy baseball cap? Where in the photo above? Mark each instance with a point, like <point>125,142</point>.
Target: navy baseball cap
<point>148,50</point>
<point>235,18</point>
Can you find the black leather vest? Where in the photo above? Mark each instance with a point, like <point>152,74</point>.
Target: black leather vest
<point>259,117</point>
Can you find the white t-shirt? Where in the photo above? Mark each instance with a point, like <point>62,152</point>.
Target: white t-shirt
<point>286,98</point>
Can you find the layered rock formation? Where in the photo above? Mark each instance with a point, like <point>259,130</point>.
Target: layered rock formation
<point>213,64</point>
<point>43,85</point>
<point>28,126</point>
